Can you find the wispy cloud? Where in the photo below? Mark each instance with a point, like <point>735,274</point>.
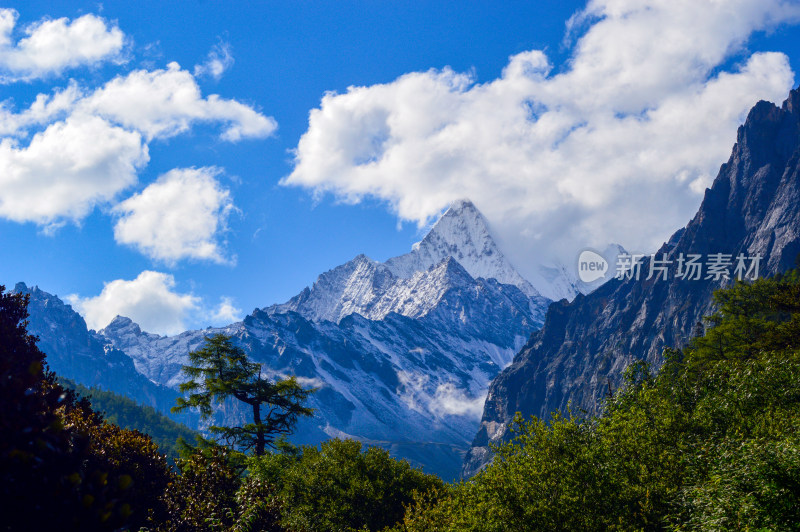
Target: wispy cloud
<point>452,400</point>
<point>421,394</point>
<point>219,60</point>
<point>226,312</point>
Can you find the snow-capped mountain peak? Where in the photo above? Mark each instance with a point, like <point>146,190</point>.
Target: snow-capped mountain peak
<point>412,284</point>
<point>463,233</point>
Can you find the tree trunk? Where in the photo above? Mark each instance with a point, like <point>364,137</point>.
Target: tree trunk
<point>259,429</point>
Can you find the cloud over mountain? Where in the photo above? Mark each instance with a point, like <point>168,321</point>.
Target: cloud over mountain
<point>152,300</point>
<point>632,128</point>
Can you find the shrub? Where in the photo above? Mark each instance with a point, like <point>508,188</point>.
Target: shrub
<point>341,487</point>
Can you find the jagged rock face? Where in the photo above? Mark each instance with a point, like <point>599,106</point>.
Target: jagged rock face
<point>753,207</point>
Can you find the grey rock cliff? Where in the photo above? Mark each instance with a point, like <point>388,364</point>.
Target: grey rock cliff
<point>753,207</point>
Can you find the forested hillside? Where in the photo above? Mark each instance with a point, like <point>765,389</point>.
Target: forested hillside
<point>711,442</point>
<point>128,414</point>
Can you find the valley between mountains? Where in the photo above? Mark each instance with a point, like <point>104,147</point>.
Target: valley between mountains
<point>401,352</point>
<point>419,353</point>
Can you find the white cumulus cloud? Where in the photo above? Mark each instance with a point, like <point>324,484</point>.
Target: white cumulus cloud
<point>165,102</point>
<point>52,45</point>
<point>67,169</point>
<point>616,146</point>
<point>79,146</point>
<point>181,215</point>
<point>152,301</point>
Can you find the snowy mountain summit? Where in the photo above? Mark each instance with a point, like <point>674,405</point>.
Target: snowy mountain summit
<point>462,233</point>
<point>413,284</point>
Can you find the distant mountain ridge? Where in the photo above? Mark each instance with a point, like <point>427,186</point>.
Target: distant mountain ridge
<point>83,355</point>
<point>400,358</point>
<point>752,208</point>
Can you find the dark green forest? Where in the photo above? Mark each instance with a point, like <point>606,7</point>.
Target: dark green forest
<point>710,441</point>
<point>128,414</point>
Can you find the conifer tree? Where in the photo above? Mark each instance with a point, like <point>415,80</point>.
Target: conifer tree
<point>220,370</point>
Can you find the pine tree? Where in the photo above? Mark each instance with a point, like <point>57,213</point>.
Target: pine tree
<point>220,370</point>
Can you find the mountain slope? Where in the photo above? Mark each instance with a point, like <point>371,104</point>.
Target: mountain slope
<point>753,207</point>
<point>73,352</point>
<point>412,384</point>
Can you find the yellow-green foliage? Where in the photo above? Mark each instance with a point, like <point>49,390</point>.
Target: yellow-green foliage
<point>710,443</point>
<point>341,486</point>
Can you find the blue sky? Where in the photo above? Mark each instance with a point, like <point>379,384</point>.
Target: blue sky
<point>569,125</point>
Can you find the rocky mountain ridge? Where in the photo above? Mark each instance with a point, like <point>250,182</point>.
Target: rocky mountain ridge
<point>400,358</point>
<point>752,209</point>
<point>86,357</point>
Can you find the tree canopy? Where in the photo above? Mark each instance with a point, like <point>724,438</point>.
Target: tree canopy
<point>62,467</point>
<point>709,442</point>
